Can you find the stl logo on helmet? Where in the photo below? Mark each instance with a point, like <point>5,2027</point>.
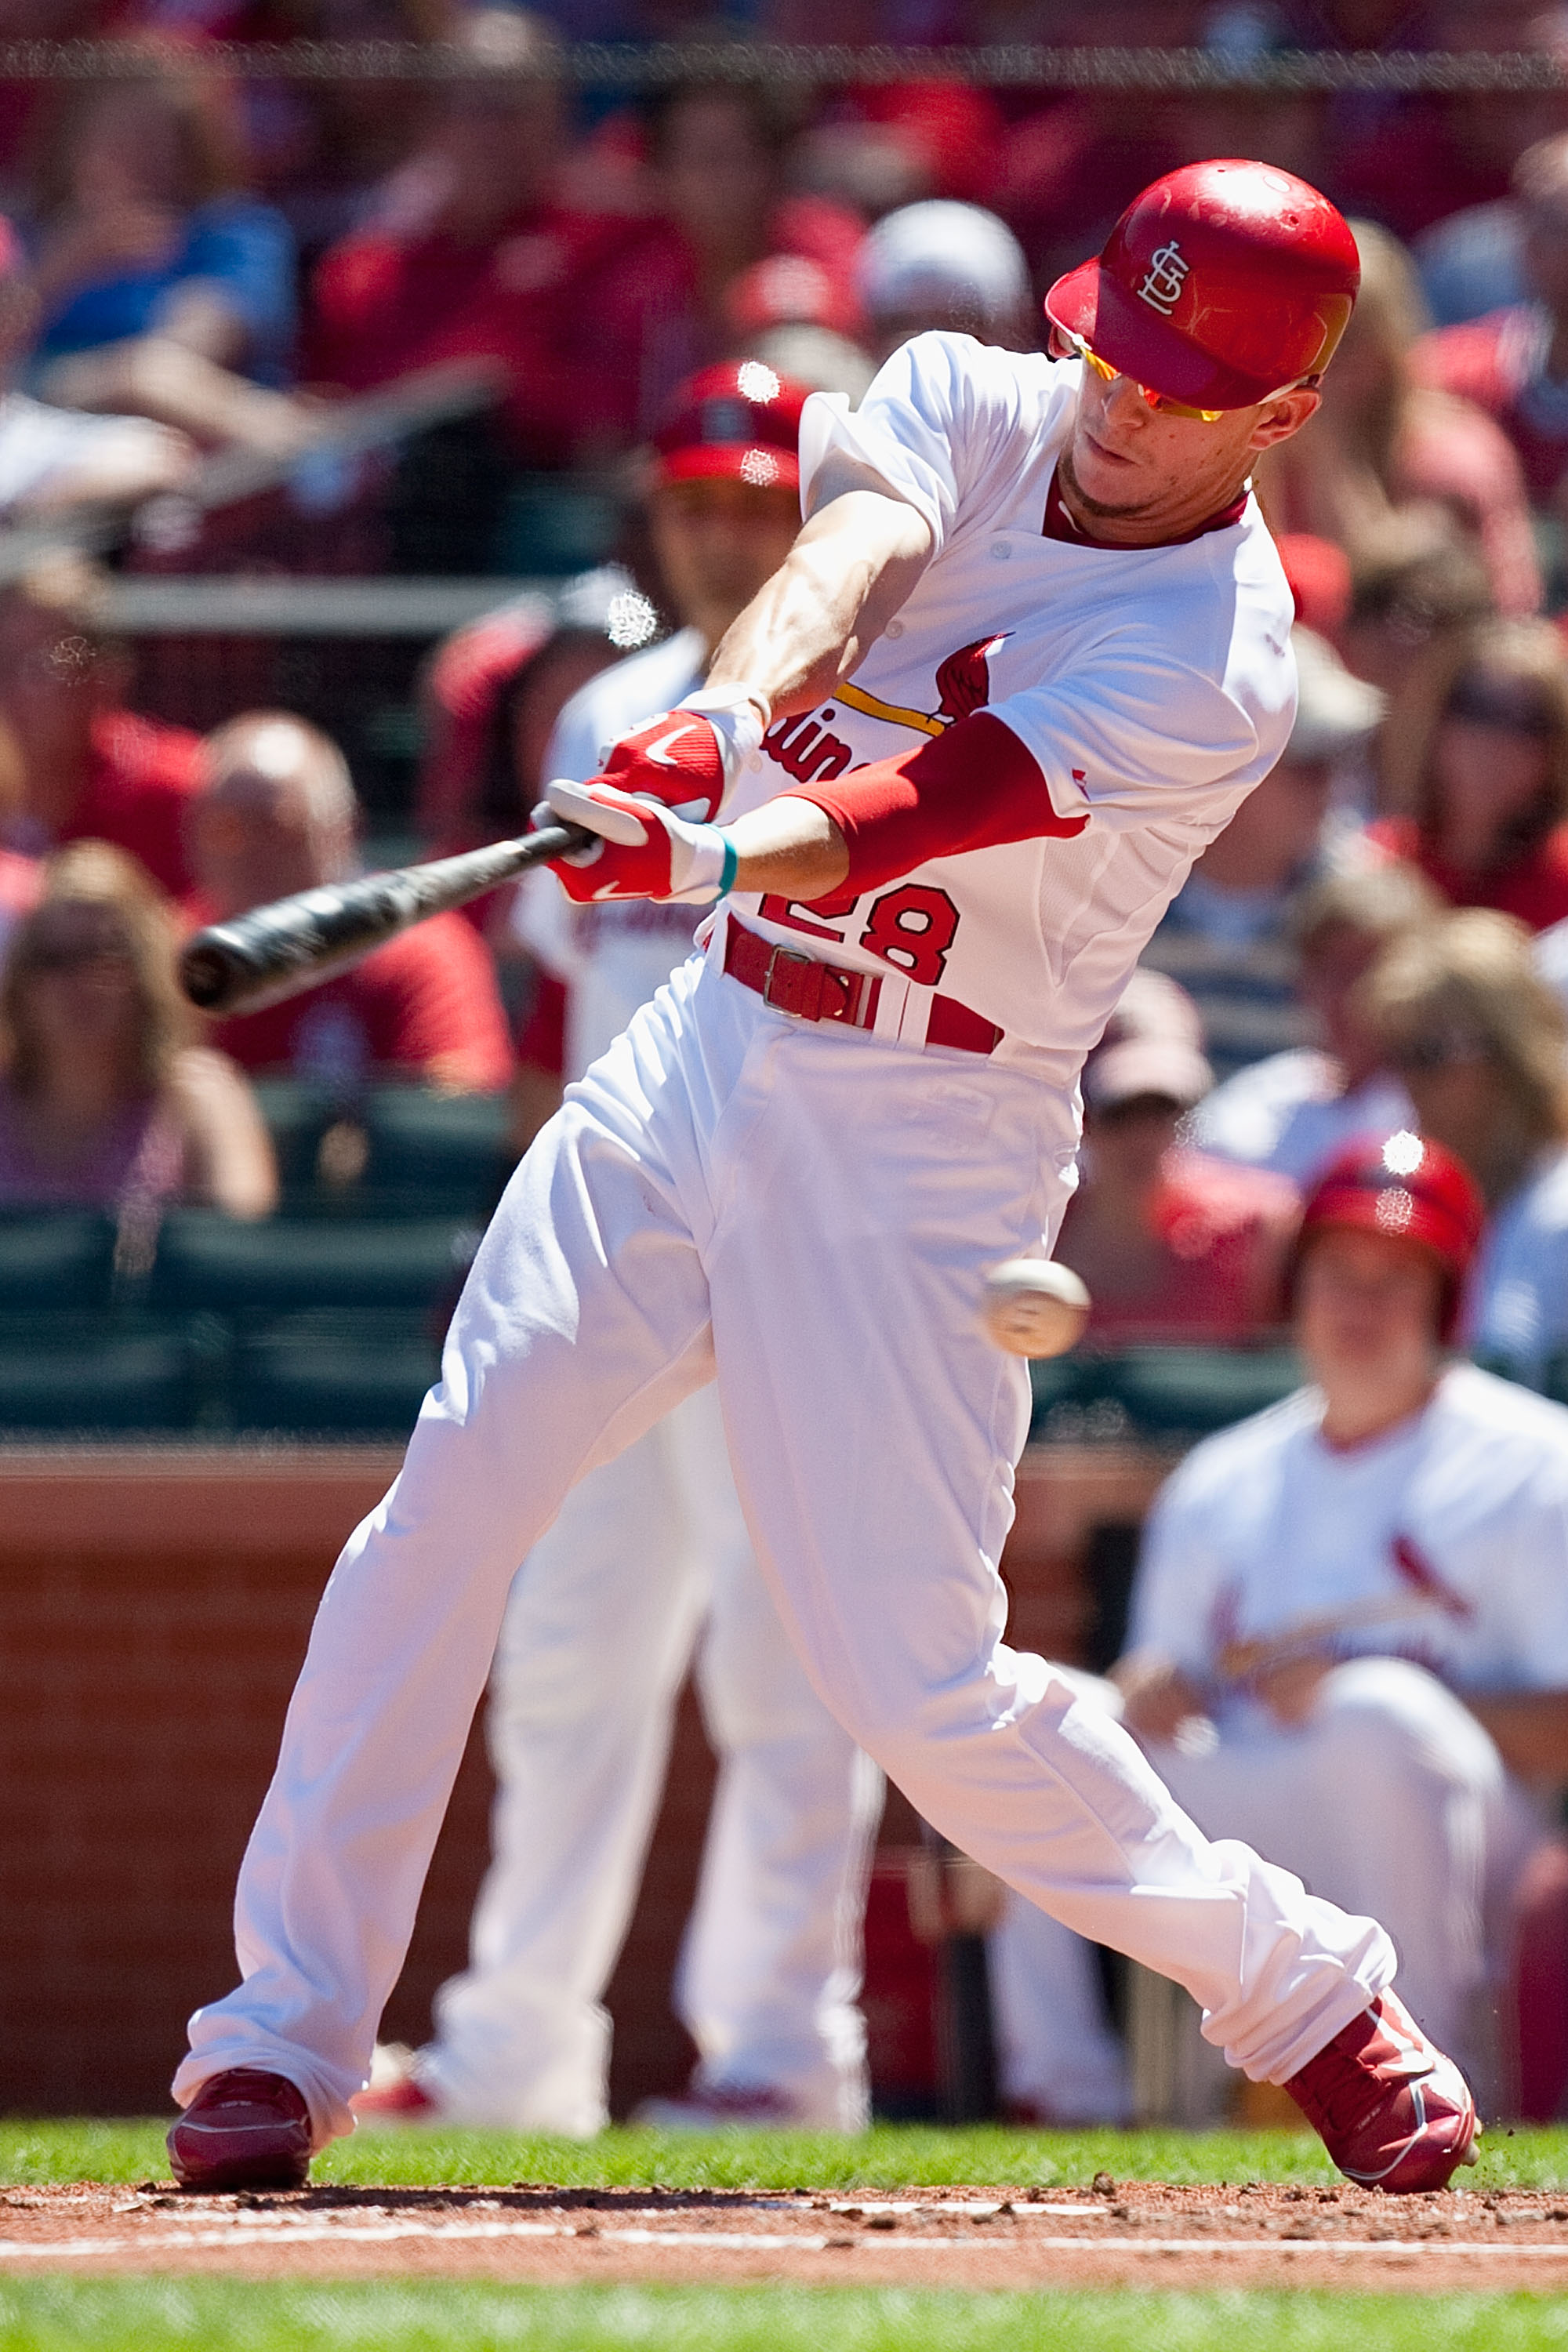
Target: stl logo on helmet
<point>1168,272</point>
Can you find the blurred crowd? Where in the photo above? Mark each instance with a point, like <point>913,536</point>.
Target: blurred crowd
<point>194,270</point>
<point>492,325</point>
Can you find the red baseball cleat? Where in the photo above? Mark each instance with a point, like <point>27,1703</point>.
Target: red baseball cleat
<point>723,2106</point>
<point>244,2129</point>
<point>1392,2111</point>
<point>394,2095</point>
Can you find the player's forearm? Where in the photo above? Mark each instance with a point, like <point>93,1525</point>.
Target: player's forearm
<point>853,565</point>
<point>1529,1730</point>
<point>788,848</point>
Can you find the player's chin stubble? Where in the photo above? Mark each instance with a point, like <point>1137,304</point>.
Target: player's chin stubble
<point>1104,510</point>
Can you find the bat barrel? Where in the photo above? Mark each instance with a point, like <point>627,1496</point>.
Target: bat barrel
<point>276,952</point>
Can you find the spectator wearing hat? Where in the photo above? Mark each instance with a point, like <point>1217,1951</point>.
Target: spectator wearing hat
<point>52,460</point>
<point>649,1563</point>
<point>946,266</point>
<point>1474,769</point>
<point>1478,1038</point>
<point>1173,1244</point>
<point>1291,1111</point>
<point>1227,934</point>
<point>276,814</point>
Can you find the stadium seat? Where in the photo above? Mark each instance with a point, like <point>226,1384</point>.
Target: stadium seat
<point>436,1152</point>
<point>55,1258</point>
<point>1189,1392</point>
<point>1168,1392</point>
<point>326,1372</point>
<point>207,1261</point>
<point>298,1113</point>
<point>88,1374</point>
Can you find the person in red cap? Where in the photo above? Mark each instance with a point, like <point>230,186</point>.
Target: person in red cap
<point>1349,1631</point>
<point>649,1561</point>
<point>1026,657</point>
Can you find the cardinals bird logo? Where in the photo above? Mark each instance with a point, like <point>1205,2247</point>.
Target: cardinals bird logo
<point>963,685</point>
<point>804,748</point>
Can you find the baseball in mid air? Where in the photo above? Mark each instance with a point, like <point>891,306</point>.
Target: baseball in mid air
<point>1034,1307</point>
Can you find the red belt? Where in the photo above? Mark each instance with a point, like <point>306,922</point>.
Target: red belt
<point>815,990</point>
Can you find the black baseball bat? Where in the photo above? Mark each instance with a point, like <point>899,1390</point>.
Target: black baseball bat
<point>295,943</point>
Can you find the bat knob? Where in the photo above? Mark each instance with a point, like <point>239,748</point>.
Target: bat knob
<point>205,975</point>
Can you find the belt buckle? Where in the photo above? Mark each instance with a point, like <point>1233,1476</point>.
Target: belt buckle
<point>797,964</point>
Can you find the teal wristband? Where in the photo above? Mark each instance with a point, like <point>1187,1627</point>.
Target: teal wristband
<point>728,870</point>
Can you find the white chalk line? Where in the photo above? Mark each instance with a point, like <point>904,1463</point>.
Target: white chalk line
<point>254,2230</point>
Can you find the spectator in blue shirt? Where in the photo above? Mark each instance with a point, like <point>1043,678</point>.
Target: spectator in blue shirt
<point>164,289</point>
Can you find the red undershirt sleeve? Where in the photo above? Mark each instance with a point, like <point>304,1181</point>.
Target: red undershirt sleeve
<point>973,787</point>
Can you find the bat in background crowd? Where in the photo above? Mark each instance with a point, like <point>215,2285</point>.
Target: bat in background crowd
<point>279,950</point>
<point>1238,1661</point>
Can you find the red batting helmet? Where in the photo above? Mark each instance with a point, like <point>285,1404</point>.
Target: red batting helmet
<point>1220,285</point>
<point>1406,1189</point>
<point>739,419</point>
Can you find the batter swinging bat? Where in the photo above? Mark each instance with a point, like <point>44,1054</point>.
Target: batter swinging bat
<point>280,951</point>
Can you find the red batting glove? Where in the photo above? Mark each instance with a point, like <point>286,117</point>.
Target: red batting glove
<point>677,759</point>
<point>645,849</point>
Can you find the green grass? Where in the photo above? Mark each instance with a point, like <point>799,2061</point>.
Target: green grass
<point>222,2315</point>
<point>60,2313</point>
<point>888,2158</point>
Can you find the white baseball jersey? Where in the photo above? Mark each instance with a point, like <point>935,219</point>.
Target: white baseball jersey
<point>1462,1512</point>
<point>1288,1113</point>
<point>806,1214</point>
<point>1154,686</point>
<point>1518,1311</point>
<point>612,956</point>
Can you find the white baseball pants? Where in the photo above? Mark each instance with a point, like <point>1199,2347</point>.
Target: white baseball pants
<point>596,1642</point>
<point>810,1212</point>
<point>1390,1792</point>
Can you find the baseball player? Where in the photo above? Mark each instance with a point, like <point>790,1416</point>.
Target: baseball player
<point>1350,1627</point>
<point>1027,655</point>
<point>606,1610</point>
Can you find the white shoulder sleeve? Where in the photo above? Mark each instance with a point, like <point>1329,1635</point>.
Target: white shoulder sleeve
<point>935,422</point>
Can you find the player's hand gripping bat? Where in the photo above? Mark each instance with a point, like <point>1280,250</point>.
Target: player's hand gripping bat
<point>279,950</point>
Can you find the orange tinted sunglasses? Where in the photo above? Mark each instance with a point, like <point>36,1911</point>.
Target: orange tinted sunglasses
<point>1159,401</point>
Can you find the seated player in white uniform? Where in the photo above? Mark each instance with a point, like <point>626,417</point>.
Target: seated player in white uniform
<point>1349,1636</point>
<point>1478,1037</point>
<point>649,1559</point>
<point>1029,652</point>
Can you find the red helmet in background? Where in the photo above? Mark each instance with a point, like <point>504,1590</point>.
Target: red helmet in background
<point>1407,1189</point>
<point>1221,284</point>
<point>740,420</point>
